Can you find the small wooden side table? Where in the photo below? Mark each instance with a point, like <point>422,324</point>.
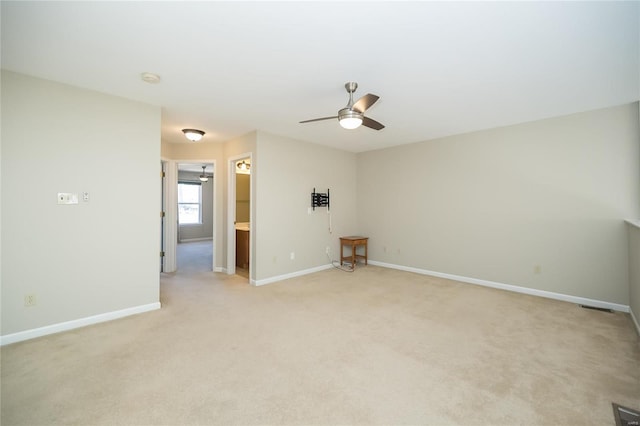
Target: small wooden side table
<point>353,242</point>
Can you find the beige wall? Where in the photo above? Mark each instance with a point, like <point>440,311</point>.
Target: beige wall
<point>494,205</point>
<point>94,257</point>
<point>192,151</point>
<point>286,173</point>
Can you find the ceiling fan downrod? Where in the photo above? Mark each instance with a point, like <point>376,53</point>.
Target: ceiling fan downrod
<point>351,87</point>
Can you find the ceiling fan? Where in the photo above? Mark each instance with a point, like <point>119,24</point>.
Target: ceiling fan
<point>204,177</point>
<point>352,116</point>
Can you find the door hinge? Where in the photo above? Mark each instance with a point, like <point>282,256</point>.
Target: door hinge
<point>162,214</point>
<point>161,254</point>
<point>162,174</point>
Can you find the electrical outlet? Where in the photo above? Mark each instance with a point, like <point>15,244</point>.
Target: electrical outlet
<point>292,256</point>
<point>537,269</point>
<point>327,250</point>
<point>30,300</point>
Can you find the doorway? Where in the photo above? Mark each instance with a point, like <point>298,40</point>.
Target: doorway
<point>204,216</point>
<point>240,224</point>
<point>195,195</point>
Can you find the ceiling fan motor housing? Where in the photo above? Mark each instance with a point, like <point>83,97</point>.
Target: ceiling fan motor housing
<point>349,113</point>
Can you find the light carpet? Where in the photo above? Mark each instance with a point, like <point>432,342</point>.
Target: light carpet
<point>194,256</point>
<point>373,347</point>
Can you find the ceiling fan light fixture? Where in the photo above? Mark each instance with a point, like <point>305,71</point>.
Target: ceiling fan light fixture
<point>203,176</point>
<point>351,122</point>
<point>193,135</point>
<point>349,119</point>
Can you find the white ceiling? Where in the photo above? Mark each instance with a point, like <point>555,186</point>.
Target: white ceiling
<point>440,68</point>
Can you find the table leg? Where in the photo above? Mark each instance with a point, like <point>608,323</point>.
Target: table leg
<point>366,255</point>
<point>353,255</point>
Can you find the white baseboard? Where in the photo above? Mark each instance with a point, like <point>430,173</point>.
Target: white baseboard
<point>70,325</point>
<point>509,287</point>
<point>291,275</point>
<point>635,320</point>
<point>192,240</point>
<point>220,269</point>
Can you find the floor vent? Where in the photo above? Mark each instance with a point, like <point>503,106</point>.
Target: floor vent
<point>595,308</point>
<point>625,416</point>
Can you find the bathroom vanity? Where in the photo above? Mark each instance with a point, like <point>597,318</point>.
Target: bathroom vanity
<point>242,245</point>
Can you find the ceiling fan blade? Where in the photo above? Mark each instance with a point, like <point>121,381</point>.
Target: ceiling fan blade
<point>319,119</point>
<point>365,102</point>
<point>372,124</point>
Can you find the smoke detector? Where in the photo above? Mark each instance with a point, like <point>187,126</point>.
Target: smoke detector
<point>150,77</point>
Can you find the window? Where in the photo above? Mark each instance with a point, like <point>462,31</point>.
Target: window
<point>189,203</point>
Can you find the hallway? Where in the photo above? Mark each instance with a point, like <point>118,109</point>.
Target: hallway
<point>197,257</point>
<point>194,257</point>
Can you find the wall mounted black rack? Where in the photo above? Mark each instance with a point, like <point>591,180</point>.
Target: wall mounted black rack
<point>320,199</point>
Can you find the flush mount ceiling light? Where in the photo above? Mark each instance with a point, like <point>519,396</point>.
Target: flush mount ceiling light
<point>203,176</point>
<point>193,135</point>
<point>242,165</point>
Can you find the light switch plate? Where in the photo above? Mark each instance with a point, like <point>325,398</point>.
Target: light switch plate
<point>67,198</point>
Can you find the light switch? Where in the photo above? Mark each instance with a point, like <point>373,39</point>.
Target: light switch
<point>67,198</point>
